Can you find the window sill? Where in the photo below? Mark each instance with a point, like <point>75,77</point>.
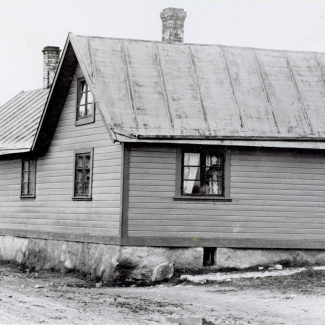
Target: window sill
<point>202,198</point>
<point>27,196</point>
<point>79,198</point>
<point>85,120</point>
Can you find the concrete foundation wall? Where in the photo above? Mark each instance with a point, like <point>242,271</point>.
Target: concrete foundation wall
<point>244,258</point>
<point>105,262</point>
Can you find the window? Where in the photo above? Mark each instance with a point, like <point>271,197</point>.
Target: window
<point>28,174</point>
<point>202,174</point>
<point>85,104</point>
<point>83,174</point>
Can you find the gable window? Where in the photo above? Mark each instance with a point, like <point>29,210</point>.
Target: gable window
<point>83,174</point>
<point>28,177</point>
<point>85,104</point>
<point>202,174</point>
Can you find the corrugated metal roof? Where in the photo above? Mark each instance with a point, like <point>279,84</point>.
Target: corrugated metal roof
<point>19,120</point>
<point>154,89</point>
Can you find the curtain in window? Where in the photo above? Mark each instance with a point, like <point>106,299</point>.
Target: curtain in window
<point>191,183</point>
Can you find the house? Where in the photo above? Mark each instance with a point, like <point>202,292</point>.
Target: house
<point>143,152</point>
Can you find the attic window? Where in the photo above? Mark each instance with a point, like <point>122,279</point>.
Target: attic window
<point>203,174</point>
<point>28,177</point>
<point>85,104</point>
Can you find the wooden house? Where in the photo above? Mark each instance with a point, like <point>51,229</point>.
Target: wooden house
<point>166,144</point>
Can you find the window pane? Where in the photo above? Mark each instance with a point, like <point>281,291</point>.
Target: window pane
<point>82,86</point>
<point>31,167</point>
<point>214,180</point>
<point>25,177</point>
<point>26,165</point>
<point>191,187</point>
<point>215,188</point>
<point>213,160</point>
<point>87,161</point>
<point>82,98</point>
<point>25,189</point>
<point>82,111</point>
<point>79,189</point>
<point>79,161</point>
<point>79,176</point>
<point>192,173</point>
<point>86,189</point>
<point>90,98</point>
<point>31,188</point>
<point>191,159</point>
<point>214,174</point>
<point>89,110</point>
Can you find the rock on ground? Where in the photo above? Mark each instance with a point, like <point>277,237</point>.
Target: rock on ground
<point>163,271</point>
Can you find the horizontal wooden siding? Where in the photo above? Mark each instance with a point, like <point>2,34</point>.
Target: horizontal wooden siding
<point>275,195</point>
<point>53,209</point>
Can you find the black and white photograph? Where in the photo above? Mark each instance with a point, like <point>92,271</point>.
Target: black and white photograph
<point>162,162</point>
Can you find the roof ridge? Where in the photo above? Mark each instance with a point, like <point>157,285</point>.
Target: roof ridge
<point>198,44</point>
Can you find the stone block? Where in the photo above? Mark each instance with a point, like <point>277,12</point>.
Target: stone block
<point>163,271</point>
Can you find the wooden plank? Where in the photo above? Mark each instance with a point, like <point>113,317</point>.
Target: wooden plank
<point>227,226</point>
<point>230,235</point>
<point>222,241</point>
<point>163,202</point>
<point>248,213</point>
<point>61,223</point>
<point>110,239</point>
<point>63,229</point>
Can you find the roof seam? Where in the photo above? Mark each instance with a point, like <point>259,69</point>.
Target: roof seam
<point>300,99</point>
<point>161,72</point>
<point>197,85</point>
<point>265,91</point>
<point>91,59</point>
<point>320,67</point>
<point>234,97</point>
<point>129,83</point>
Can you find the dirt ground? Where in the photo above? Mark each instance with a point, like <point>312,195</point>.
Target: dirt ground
<point>52,298</point>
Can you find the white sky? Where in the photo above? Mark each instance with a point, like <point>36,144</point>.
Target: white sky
<point>27,26</point>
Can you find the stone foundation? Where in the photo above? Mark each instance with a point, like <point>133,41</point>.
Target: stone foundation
<point>112,262</point>
<point>105,262</point>
<point>244,258</point>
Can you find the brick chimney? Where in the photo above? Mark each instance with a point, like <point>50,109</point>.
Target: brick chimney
<point>50,64</point>
<point>173,25</point>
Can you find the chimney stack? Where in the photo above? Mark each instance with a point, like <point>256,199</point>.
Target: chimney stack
<point>50,64</point>
<point>173,25</point>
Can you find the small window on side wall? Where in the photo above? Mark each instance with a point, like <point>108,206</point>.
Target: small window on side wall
<point>28,178</point>
<point>85,112</point>
<point>203,174</point>
<point>82,189</point>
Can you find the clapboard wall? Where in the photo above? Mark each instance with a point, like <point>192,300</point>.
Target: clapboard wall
<point>277,196</point>
<point>53,210</point>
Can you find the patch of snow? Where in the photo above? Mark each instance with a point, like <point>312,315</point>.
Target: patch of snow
<point>220,277</point>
